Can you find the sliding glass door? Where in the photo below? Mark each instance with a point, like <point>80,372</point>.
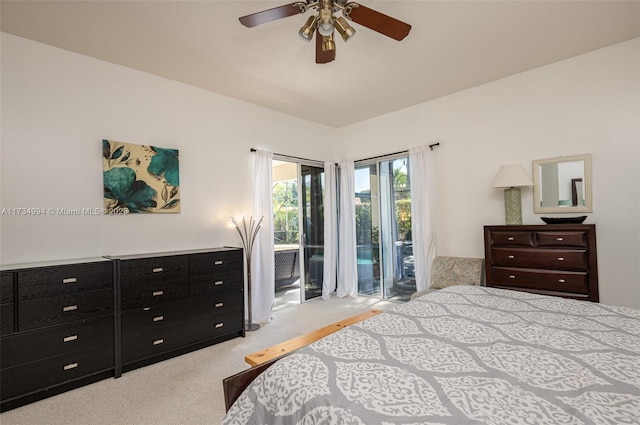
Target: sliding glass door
<point>383,228</point>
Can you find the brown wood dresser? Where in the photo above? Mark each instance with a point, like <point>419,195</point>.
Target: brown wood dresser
<point>549,259</point>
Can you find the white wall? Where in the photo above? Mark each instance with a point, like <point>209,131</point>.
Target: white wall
<point>57,106</point>
<point>587,104</point>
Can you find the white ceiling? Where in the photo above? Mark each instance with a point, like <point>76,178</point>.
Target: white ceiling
<point>452,46</point>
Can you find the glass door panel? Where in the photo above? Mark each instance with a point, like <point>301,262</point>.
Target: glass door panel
<point>286,242</point>
<point>383,229</point>
<point>312,225</point>
<point>397,247</point>
<point>367,229</point>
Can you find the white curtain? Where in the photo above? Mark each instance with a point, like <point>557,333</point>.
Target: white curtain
<point>330,231</point>
<point>262,261</point>
<point>423,203</point>
<point>347,258</point>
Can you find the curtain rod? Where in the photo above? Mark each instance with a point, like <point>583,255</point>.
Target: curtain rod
<point>291,156</point>
<point>382,156</point>
<point>395,153</point>
<point>366,159</point>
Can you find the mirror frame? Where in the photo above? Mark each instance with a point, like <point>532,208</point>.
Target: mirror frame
<point>537,164</point>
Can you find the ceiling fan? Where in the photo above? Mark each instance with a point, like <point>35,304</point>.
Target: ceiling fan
<point>324,22</point>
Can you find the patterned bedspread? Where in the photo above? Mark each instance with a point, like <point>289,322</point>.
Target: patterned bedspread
<point>461,355</point>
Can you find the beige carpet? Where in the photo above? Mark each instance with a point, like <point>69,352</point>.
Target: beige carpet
<point>186,389</point>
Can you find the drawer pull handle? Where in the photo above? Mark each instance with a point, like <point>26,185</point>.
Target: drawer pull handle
<point>158,270</point>
<point>217,263</point>
<point>69,280</point>
<point>146,308</point>
<point>512,276</point>
<point>218,282</point>
<point>70,366</point>
<point>158,318</point>
<point>158,342</point>
<point>219,305</point>
<point>560,239</point>
<point>511,257</point>
<point>69,338</point>
<point>219,325</point>
<point>560,258</point>
<point>70,308</point>
<point>157,293</point>
<point>560,280</point>
<point>510,238</point>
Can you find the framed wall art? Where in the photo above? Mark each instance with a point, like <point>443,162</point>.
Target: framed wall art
<point>140,178</point>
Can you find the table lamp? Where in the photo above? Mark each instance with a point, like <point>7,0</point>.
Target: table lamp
<point>512,177</point>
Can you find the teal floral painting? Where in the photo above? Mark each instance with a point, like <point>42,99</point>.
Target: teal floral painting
<point>139,178</point>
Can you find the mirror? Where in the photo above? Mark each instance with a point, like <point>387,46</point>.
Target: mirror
<point>562,185</point>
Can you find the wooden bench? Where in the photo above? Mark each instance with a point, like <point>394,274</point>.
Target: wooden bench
<point>284,348</point>
<point>261,360</point>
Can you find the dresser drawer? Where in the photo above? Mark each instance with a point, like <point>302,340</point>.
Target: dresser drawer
<point>548,280</point>
<point>216,315</point>
<point>221,303</point>
<point>60,280</point>
<point>151,281</point>
<point>214,264</point>
<point>556,259</point>
<point>143,336</point>
<point>214,284</point>
<point>565,239</point>
<point>208,308</point>
<point>152,321</point>
<point>156,270</point>
<point>45,373</point>
<point>53,341</point>
<point>67,308</point>
<point>7,323</point>
<point>6,288</point>
<point>214,324</point>
<point>512,238</point>
<point>153,293</point>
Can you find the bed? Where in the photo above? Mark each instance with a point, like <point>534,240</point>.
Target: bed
<point>461,355</point>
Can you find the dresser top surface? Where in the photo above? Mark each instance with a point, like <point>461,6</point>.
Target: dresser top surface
<point>52,263</point>
<point>171,253</point>
<point>524,227</point>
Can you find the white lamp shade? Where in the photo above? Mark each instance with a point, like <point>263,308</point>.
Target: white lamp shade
<point>512,175</point>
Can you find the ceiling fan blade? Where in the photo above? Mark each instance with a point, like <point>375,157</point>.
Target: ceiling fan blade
<point>323,56</point>
<point>269,15</point>
<point>379,22</point>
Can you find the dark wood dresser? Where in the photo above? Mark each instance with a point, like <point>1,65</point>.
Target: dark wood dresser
<point>57,329</point>
<point>70,323</point>
<point>175,302</point>
<point>550,259</point>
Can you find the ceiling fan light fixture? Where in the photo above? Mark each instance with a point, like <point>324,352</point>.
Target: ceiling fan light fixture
<point>325,19</point>
<point>327,43</point>
<point>326,23</point>
<point>346,31</point>
<point>326,28</point>
<point>309,27</point>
